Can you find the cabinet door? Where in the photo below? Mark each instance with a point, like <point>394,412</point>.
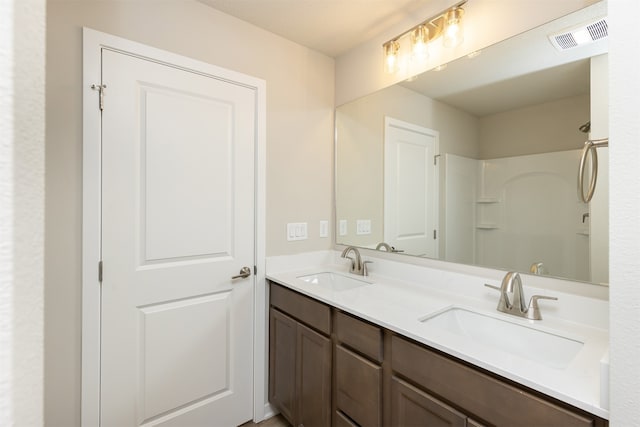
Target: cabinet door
<point>282,362</point>
<point>413,407</point>
<point>314,378</point>
<point>340,420</point>
<point>358,388</point>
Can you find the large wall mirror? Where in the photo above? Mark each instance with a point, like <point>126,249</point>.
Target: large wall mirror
<point>477,163</point>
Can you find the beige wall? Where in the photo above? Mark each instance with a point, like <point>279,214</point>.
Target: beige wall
<point>542,128</point>
<point>300,87</point>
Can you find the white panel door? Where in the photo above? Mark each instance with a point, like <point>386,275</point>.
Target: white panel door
<point>177,224</point>
<point>410,188</point>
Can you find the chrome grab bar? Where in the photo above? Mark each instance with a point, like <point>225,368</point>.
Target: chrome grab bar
<point>589,147</point>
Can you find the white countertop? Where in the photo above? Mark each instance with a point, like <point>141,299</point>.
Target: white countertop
<point>399,295</point>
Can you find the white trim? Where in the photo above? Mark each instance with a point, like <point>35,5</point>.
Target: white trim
<point>261,323</point>
<point>91,238</point>
<point>93,42</point>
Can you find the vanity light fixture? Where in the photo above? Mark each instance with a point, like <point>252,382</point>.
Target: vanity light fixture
<point>391,49</point>
<point>447,24</point>
<point>419,39</point>
<point>453,33</point>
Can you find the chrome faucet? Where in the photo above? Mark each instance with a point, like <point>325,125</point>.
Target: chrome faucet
<point>357,265</point>
<point>512,285</point>
<point>387,247</point>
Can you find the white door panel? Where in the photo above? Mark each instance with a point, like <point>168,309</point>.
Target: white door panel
<point>177,177</point>
<point>178,222</point>
<point>411,188</point>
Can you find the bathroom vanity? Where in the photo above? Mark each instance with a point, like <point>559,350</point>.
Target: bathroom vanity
<point>333,362</point>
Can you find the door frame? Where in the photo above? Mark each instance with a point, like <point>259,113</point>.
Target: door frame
<point>93,43</point>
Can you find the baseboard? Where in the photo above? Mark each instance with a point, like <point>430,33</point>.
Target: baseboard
<point>269,411</point>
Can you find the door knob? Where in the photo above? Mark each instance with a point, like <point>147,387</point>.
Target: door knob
<point>244,273</point>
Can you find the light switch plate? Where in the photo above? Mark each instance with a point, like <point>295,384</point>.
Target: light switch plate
<point>324,228</point>
<point>363,226</point>
<point>297,231</point>
<point>343,227</point>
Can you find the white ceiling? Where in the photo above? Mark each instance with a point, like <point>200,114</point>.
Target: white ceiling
<point>328,26</point>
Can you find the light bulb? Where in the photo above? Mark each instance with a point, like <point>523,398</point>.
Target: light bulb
<point>391,56</point>
<point>453,33</point>
<point>419,38</point>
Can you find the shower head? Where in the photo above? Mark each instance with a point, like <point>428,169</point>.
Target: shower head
<point>585,128</point>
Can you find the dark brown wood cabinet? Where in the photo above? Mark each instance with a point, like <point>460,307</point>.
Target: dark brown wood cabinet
<point>411,406</point>
<point>313,376</point>
<point>327,368</point>
<point>282,362</point>
<point>479,394</point>
<point>358,372</point>
<point>300,360</point>
<point>358,388</point>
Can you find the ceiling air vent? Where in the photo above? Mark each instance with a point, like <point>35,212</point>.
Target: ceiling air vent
<point>580,35</point>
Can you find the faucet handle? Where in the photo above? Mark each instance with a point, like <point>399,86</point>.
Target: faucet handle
<point>533,312</point>
<point>365,271</point>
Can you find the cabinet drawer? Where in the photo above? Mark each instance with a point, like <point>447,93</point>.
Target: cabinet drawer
<point>360,336</point>
<point>358,388</point>
<point>486,397</point>
<point>305,309</point>
<point>413,407</point>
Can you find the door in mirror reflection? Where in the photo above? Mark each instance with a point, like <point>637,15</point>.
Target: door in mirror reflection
<point>410,188</point>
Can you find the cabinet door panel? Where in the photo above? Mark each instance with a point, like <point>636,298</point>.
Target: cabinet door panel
<point>358,388</point>
<point>314,378</point>
<point>342,420</point>
<point>413,407</point>
<point>282,362</point>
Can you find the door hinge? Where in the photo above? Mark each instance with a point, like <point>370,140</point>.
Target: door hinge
<point>100,89</point>
<point>435,159</point>
<point>434,235</point>
<point>100,271</point>
<point>255,270</point>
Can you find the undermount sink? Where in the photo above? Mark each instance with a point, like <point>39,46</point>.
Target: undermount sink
<point>333,281</point>
<point>555,351</point>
